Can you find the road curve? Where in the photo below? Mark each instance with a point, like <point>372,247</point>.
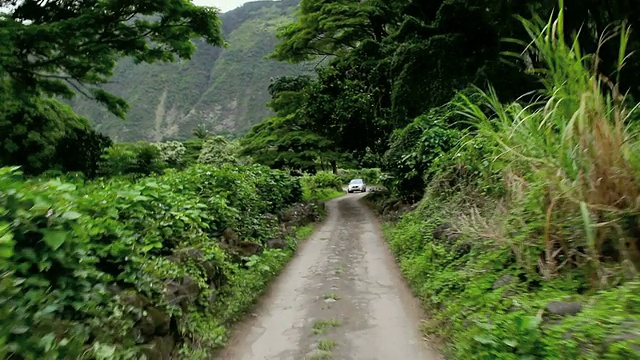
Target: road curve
<point>341,297</point>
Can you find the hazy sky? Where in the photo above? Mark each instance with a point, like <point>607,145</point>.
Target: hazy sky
<point>224,5</point>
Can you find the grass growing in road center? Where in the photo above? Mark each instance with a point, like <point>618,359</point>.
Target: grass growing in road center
<point>326,345</point>
<point>321,355</point>
<point>321,326</point>
<point>332,296</point>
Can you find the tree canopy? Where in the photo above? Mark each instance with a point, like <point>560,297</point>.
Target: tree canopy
<point>43,134</point>
<point>390,62</point>
<point>287,140</point>
<point>62,48</point>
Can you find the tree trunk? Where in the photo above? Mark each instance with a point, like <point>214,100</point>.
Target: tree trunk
<point>334,167</point>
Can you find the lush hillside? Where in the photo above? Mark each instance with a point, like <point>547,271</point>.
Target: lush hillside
<point>226,89</point>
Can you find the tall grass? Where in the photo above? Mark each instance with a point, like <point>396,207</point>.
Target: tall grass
<point>576,141</point>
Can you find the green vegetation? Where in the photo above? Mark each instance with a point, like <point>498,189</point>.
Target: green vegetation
<point>136,159</point>
<point>282,141</point>
<point>322,326</point>
<point>321,186</point>
<point>322,194</point>
<point>303,232</point>
<point>125,250</point>
<point>116,266</point>
<point>321,355</point>
<point>331,296</point>
<point>326,345</point>
<point>44,135</point>
<point>524,244</point>
<point>49,51</point>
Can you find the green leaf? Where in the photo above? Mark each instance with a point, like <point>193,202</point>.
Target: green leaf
<point>19,329</point>
<point>104,351</point>
<point>486,326</point>
<point>528,322</point>
<point>66,187</point>
<point>6,252</point>
<point>4,227</point>
<point>153,245</point>
<point>71,215</point>
<point>47,341</point>
<point>588,228</point>
<point>511,343</point>
<point>54,238</point>
<point>49,309</point>
<point>486,340</point>
<point>41,205</point>
<point>6,239</point>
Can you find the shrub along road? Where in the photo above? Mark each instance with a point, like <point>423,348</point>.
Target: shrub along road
<point>341,297</point>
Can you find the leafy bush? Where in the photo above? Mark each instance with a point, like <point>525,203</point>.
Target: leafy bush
<point>473,163</point>
<point>104,268</point>
<point>279,188</point>
<point>133,159</point>
<point>323,179</point>
<point>217,150</point>
<point>413,150</point>
<point>81,150</point>
<point>322,186</point>
<point>44,134</point>
<point>192,150</point>
<point>172,153</point>
<point>486,305</point>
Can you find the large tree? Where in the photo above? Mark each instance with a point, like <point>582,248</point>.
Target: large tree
<point>43,134</point>
<point>280,143</point>
<point>347,102</point>
<point>67,46</point>
<point>287,140</point>
<point>345,105</point>
<point>333,27</point>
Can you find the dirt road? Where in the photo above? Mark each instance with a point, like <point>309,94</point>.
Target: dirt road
<point>340,298</point>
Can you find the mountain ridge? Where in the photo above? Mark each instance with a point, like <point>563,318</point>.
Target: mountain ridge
<point>224,89</point>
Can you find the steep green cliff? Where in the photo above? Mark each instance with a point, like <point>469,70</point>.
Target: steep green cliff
<point>225,89</point>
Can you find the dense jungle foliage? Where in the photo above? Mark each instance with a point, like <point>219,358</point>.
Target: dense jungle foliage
<point>504,132</point>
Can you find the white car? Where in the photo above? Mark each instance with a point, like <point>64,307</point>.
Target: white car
<point>357,185</point>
